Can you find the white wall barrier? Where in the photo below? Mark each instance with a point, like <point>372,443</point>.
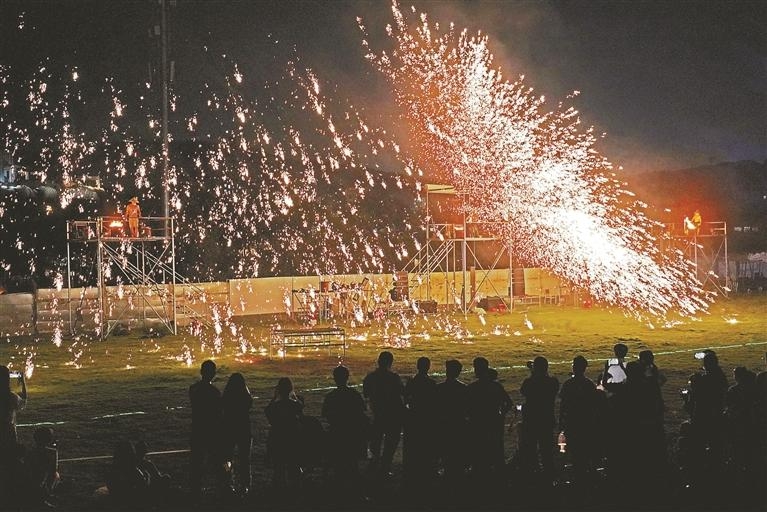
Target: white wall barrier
<point>16,313</point>
<point>256,296</point>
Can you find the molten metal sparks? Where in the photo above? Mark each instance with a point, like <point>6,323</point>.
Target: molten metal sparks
<point>274,177</point>
<point>535,169</point>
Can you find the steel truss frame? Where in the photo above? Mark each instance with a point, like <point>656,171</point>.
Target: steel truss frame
<point>146,265</point>
<point>452,247</point>
<point>705,247</point>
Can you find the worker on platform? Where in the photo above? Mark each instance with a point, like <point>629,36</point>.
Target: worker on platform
<point>132,213</point>
<point>697,221</point>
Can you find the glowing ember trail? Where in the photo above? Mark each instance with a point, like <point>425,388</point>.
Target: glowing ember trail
<point>267,178</point>
<point>536,169</point>
<point>295,182</point>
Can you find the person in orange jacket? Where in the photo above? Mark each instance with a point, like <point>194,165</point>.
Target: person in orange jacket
<point>132,213</point>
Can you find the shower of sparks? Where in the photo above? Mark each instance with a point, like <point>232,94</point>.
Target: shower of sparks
<point>290,184</point>
<point>528,323</point>
<point>294,184</point>
<point>537,170</point>
<point>275,178</point>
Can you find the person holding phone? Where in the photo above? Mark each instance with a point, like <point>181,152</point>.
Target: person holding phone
<point>614,374</point>
<point>10,404</point>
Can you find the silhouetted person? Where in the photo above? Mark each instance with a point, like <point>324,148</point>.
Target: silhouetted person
<point>652,380</point>
<point>741,420</point>
<point>206,442</point>
<point>639,458</point>
<point>705,404</point>
<point>649,369</point>
<point>419,443</point>
<point>612,381</point>
<point>614,372</point>
<point>488,405</point>
<point>10,404</point>
<point>578,419</point>
<point>344,410</point>
<point>285,414</point>
<point>385,394</point>
<point>237,401</point>
<point>43,465</point>
<point>452,426</point>
<point>159,482</point>
<point>537,429</point>
<point>17,488</point>
<point>760,418</point>
<point>128,485</point>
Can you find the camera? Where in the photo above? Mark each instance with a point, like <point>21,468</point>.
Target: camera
<point>700,355</point>
<point>15,375</point>
<point>613,362</point>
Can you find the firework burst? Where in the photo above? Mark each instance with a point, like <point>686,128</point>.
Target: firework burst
<point>535,169</point>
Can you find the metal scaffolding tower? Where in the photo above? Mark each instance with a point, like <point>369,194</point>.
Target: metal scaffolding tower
<point>452,248</point>
<point>706,247</point>
<point>135,276</point>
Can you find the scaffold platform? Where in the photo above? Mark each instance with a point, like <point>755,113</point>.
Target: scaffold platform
<point>135,275</point>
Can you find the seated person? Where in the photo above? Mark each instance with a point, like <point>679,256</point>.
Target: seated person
<point>158,481</point>
<point>16,489</point>
<point>43,463</point>
<point>127,484</point>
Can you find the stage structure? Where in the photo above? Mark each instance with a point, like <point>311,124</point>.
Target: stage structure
<point>332,301</point>
<point>456,246</point>
<point>136,277</point>
<point>706,247</point>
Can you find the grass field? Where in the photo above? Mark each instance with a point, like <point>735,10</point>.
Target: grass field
<point>96,392</point>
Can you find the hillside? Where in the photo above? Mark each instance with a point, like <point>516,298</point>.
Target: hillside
<point>734,192</point>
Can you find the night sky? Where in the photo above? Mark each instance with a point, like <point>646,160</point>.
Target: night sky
<point>672,84</point>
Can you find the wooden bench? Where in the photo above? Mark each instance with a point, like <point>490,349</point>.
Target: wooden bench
<point>281,339</point>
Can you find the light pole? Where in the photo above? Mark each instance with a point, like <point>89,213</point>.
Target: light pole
<point>165,178</point>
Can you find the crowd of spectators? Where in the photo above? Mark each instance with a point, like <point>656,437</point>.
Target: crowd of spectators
<point>605,444</point>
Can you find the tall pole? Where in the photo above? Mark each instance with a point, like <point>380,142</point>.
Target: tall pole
<point>104,323</point>
<point>165,178</point>
<point>511,276</point>
<point>726,263</point>
<point>428,242</point>
<point>695,253</point>
<point>173,277</point>
<point>69,280</point>
<point>464,304</point>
